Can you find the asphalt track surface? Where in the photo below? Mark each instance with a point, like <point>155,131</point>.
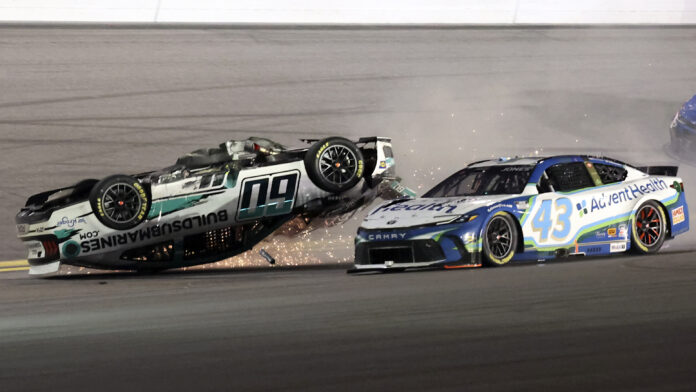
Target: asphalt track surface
<point>79,103</point>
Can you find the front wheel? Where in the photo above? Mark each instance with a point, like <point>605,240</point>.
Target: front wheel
<point>120,202</point>
<point>334,164</point>
<point>499,240</point>
<point>649,228</point>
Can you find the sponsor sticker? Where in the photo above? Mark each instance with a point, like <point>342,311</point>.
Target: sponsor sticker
<point>70,222</point>
<point>611,232</point>
<point>382,164</point>
<point>678,215</point>
<point>623,231</point>
<point>628,193</point>
<point>499,206</point>
<point>521,205</point>
<point>617,247</point>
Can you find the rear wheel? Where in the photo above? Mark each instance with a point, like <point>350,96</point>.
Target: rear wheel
<point>334,164</point>
<point>499,240</point>
<point>120,202</point>
<point>649,228</point>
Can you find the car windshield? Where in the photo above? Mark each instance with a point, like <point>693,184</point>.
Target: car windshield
<point>488,180</point>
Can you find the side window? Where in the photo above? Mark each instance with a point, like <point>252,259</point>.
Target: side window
<point>544,184</point>
<point>610,173</point>
<point>565,177</point>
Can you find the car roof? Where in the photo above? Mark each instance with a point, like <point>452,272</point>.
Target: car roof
<point>533,161</point>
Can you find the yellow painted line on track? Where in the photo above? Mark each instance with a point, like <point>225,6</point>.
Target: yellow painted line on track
<point>14,263</point>
<point>14,269</point>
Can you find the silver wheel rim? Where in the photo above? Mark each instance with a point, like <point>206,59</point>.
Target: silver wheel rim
<point>338,164</point>
<point>121,203</point>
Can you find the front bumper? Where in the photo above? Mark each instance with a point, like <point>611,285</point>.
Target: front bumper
<point>415,248</point>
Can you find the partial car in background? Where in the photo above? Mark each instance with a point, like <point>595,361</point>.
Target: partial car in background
<point>682,131</point>
<point>498,211</point>
<point>212,204</point>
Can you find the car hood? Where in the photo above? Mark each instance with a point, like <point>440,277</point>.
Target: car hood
<point>424,211</point>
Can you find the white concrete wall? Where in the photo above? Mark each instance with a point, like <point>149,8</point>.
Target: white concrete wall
<point>354,11</point>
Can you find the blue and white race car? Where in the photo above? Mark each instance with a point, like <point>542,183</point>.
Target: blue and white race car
<point>497,211</point>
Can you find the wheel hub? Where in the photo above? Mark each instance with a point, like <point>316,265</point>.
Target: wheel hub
<point>121,202</point>
<point>498,236</point>
<point>338,164</point>
<point>648,225</point>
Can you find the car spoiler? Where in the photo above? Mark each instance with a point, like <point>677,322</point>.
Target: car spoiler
<point>69,192</point>
<point>670,171</point>
<point>40,206</point>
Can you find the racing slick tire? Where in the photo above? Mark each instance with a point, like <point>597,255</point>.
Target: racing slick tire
<point>334,164</point>
<point>499,240</point>
<point>120,202</point>
<point>648,228</point>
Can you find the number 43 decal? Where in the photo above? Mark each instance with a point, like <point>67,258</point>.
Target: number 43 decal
<point>556,223</point>
<point>258,199</point>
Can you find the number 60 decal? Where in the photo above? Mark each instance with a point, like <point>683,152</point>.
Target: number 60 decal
<point>557,223</point>
<point>258,199</point>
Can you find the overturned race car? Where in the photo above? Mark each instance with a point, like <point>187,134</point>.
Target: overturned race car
<point>497,211</point>
<point>212,204</point>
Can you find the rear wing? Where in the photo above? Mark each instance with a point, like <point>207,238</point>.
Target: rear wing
<point>670,171</point>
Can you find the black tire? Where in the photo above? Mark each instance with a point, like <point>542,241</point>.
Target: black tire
<point>648,228</point>
<point>334,164</point>
<point>120,202</point>
<point>499,240</point>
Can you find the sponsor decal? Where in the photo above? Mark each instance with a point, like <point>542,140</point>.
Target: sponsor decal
<point>70,222</point>
<point>447,207</point>
<point>89,234</point>
<point>143,197</point>
<point>382,164</point>
<point>144,234</point>
<point>21,229</point>
<point>629,193</point>
<point>321,149</point>
<point>601,234</point>
<point>391,222</point>
<point>617,247</point>
<point>623,231</point>
<point>582,208</point>
<point>611,232</point>
<point>678,215</point>
<point>500,206</point>
<point>522,205</point>
<point>386,236</point>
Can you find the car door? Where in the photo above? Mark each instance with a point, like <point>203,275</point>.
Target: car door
<point>556,215</point>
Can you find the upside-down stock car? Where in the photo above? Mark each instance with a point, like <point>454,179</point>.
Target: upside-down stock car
<point>212,204</point>
<point>497,211</point>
